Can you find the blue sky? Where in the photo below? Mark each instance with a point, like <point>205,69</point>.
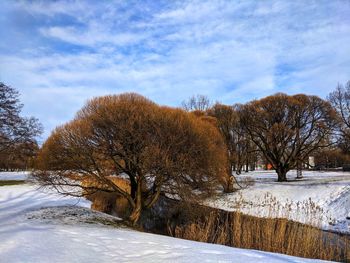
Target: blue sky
<point>58,54</point>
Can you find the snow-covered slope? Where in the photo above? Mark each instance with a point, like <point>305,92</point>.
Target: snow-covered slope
<point>320,198</point>
<point>44,227</point>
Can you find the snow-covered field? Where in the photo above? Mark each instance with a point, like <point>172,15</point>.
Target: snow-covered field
<point>320,198</point>
<point>37,226</point>
<point>14,175</point>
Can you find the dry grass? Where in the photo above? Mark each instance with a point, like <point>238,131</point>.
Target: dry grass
<point>269,234</point>
<point>110,203</point>
<point>120,182</point>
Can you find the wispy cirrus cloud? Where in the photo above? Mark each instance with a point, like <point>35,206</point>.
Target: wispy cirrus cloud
<point>61,53</point>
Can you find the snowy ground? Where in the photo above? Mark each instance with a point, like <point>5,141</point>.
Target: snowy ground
<point>38,226</point>
<point>320,198</point>
<point>14,175</point>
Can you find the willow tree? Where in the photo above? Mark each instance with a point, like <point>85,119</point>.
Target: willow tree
<point>156,149</point>
<point>287,129</point>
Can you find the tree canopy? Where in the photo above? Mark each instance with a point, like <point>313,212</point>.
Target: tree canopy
<point>287,129</point>
<point>156,149</point>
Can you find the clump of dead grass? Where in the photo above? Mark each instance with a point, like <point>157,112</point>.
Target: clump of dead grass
<point>275,235</point>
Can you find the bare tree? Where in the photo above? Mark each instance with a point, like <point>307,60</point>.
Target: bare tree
<point>288,129</point>
<point>156,149</point>
<point>196,103</point>
<point>340,100</point>
<point>15,129</point>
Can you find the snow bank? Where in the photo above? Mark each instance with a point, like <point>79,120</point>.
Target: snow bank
<point>96,244</point>
<point>320,198</point>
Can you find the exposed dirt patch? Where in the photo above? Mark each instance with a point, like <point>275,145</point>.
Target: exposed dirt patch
<point>11,182</point>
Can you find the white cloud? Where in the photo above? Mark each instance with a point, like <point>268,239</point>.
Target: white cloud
<point>230,51</point>
<point>91,37</point>
<point>51,8</point>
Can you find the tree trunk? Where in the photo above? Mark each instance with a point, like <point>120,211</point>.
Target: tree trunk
<point>239,169</point>
<point>228,186</point>
<point>282,174</point>
<point>133,187</point>
<point>136,213</point>
<point>299,169</point>
<point>226,180</point>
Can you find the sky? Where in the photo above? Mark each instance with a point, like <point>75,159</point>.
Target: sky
<point>59,54</point>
